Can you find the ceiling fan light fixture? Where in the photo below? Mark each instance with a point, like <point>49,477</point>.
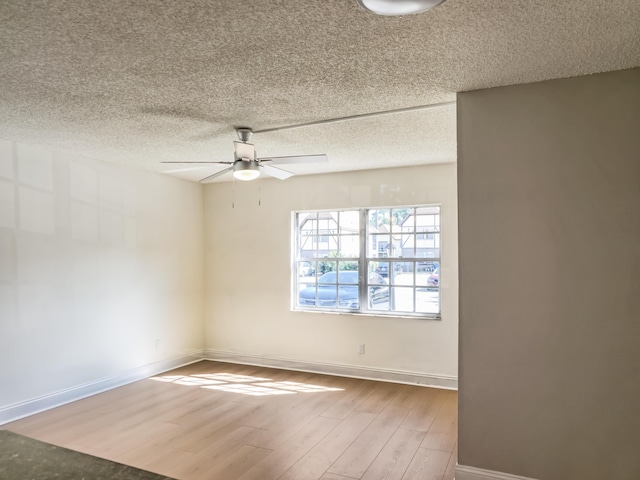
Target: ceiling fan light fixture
<point>246,170</point>
<point>399,7</point>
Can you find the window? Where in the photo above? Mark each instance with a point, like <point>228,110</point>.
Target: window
<point>378,261</point>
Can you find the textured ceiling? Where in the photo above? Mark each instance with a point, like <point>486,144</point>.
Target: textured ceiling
<point>136,82</point>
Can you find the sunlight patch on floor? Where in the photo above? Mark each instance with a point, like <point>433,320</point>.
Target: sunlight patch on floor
<point>246,385</point>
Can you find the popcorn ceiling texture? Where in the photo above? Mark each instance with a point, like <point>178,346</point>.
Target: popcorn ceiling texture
<point>135,82</point>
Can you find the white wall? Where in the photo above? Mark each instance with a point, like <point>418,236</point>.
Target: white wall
<point>248,270</point>
<point>96,263</point>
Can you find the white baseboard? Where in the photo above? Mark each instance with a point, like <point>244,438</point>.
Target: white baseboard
<point>20,410</point>
<point>463,472</point>
<point>368,373</point>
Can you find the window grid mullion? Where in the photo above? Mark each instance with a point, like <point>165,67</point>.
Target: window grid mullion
<point>363,277</point>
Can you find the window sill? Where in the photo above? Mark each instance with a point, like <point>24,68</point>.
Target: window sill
<point>370,314</point>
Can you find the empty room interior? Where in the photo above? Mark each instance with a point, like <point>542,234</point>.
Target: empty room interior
<point>320,240</point>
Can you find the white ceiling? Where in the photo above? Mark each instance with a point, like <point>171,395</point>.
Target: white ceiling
<point>139,82</point>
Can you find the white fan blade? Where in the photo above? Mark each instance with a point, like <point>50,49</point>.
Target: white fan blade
<point>245,150</point>
<point>199,163</point>
<point>188,169</point>
<point>217,174</point>
<point>276,172</point>
<point>295,159</point>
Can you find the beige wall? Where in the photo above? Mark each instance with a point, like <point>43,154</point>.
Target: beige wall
<point>549,206</point>
<point>248,259</point>
<point>96,263</point>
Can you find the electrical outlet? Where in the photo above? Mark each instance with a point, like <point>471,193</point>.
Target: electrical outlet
<point>361,349</point>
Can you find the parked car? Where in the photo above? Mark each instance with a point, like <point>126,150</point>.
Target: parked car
<point>383,269</point>
<point>427,266</point>
<point>346,293</point>
<point>433,280</point>
<point>306,269</point>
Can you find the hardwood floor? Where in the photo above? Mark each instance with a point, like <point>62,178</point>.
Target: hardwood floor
<point>218,421</point>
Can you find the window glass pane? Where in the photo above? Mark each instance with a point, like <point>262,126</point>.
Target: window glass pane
<point>307,247</point>
<point>307,223</point>
<point>348,296</point>
<point>327,245</point>
<point>428,245</point>
<point>327,272</point>
<point>428,277</point>
<point>372,248</point>
<point>332,245</point>
<point>426,266</point>
<point>374,277</point>
<point>381,268</point>
<point>427,300</point>
<point>428,219</point>
<point>327,223</point>
<point>401,219</point>
<point>427,229</point>
<point>349,246</point>
<point>395,247</point>
<point>342,295</point>
<point>407,244</point>
<point>401,273</point>
<point>379,246</point>
<point>348,273</point>
<point>379,220</point>
<point>307,270</point>
<point>327,295</point>
<point>421,278</point>
<point>379,298</point>
<point>350,222</point>
<point>307,282</point>
<point>307,238</point>
<point>307,294</point>
<point>401,299</point>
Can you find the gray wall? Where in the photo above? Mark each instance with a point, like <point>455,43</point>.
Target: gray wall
<point>549,241</point>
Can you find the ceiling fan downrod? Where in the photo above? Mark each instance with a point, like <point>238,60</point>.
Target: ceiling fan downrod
<point>244,134</point>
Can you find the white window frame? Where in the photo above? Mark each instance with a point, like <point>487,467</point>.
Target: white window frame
<point>363,261</point>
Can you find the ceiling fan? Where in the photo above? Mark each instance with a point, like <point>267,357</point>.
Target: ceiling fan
<point>246,166</point>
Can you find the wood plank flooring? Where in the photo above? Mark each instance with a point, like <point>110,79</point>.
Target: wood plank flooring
<point>219,421</point>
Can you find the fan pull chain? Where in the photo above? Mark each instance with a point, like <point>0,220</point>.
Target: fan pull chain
<point>233,192</point>
<point>259,196</point>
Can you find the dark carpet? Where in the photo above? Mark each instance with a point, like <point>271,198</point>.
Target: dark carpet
<point>23,458</point>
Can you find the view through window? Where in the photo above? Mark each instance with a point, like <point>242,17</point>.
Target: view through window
<point>376,260</point>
